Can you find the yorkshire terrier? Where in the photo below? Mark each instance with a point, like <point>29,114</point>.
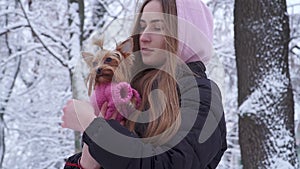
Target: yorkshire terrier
<point>108,79</point>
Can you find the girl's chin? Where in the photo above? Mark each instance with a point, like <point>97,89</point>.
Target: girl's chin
<point>147,53</point>
<point>152,62</point>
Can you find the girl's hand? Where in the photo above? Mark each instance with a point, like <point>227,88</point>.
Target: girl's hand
<point>87,161</point>
<point>77,115</point>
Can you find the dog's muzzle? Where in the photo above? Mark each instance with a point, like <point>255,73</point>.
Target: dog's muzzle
<point>98,71</point>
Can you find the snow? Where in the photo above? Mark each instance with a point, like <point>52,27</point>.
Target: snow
<point>278,163</point>
<point>297,110</point>
<point>293,6</point>
<point>269,91</point>
<point>263,102</point>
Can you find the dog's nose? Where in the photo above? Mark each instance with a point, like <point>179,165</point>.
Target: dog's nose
<point>98,71</point>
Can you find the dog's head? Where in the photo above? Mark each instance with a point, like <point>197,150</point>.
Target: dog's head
<point>109,65</point>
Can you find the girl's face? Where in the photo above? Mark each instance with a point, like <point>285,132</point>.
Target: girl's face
<point>152,39</point>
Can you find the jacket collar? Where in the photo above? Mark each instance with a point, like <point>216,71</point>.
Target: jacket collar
<point>197,68</point>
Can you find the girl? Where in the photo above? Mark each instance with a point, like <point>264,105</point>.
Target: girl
<point>180,124</point>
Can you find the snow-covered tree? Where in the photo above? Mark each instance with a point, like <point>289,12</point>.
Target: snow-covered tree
<point>265,97</point>
<point>40,69</point>
<point>10,70</point>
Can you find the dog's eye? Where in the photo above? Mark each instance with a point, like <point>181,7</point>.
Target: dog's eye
<point>108,60</point>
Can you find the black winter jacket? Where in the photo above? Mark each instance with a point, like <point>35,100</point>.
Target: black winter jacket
<point>199,144</point>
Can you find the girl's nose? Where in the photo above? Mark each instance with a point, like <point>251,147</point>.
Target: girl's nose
<point>145,37</point>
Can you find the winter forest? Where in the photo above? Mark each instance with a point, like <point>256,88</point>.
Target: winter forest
<point>256,64</point>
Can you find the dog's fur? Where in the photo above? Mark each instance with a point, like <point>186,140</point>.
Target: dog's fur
<point>119,67</point>
<point>109,77</point>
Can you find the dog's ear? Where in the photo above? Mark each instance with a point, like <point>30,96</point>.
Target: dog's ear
<point>88,58</point>
<point>126,47</point>
<point>98,40</point>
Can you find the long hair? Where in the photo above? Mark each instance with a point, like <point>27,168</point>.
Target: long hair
<point>166,124</point>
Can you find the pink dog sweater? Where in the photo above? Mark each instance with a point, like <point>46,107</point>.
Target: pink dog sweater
<point>117,96</point>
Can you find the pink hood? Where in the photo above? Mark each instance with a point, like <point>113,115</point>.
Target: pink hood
<point>195,31</point>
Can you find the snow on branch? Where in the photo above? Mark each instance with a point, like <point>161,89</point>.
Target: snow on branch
<point>38,37</point>
<point>21,53</point>
<point>5,12</point>
<point>13,27</point>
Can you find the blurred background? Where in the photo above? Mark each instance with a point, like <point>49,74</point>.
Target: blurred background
<point>41,68</point>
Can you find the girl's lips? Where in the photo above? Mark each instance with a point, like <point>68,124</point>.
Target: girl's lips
<point>146,51</point>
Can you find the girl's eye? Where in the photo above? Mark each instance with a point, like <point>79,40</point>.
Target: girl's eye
<point>142,28</point>
<point>157,27</point>
<point>108,60</point>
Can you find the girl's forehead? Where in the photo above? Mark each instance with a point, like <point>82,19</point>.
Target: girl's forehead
<point>153,6</point>
<point>152,16</point>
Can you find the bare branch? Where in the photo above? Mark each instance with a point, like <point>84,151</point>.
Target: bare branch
<point>3,62</point>
<point>294,47</point>
<point>12,27</point>
<point>37,35</point>
<point>55,39</point>
<point>5,12</point>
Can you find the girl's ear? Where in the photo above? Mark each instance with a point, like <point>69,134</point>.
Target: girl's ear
<point>126,47</point>
<point>88,58</point>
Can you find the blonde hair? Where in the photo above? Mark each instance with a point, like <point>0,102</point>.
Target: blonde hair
<point>165,125</point>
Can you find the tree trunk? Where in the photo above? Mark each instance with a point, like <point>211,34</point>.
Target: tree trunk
<point>265,98</point>
<point>8,78</point>
<point>76,7</point>
<point>96,19</point>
